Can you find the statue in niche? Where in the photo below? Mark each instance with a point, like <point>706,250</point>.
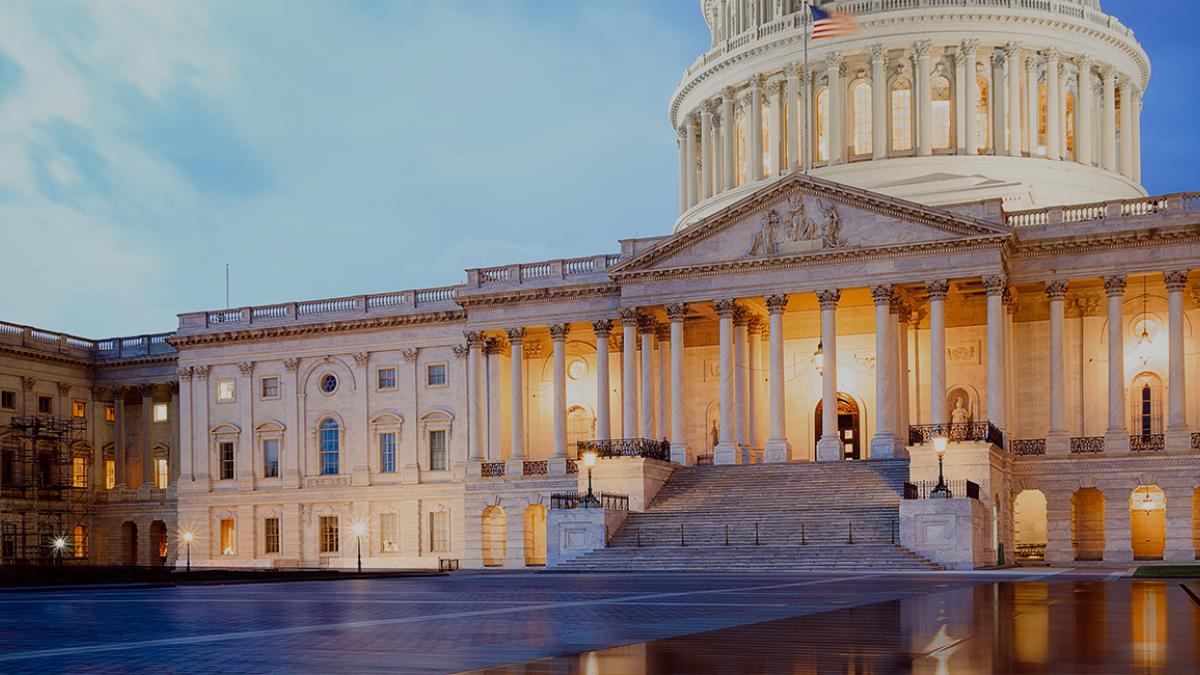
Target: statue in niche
<point>716,434</point>
<point>960,414</point>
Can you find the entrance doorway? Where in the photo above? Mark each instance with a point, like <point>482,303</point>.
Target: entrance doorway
<point>1029,525</point>
<point>1148,522</point>
<point>129,543</point>
<point>848,426</point>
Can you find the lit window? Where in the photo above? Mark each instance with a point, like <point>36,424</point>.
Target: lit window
<point>270,449</point>
<point>765,125</point>
<point>78,409</point>
<point>161,412</point>
<point>579,426</point>
<point>79,472</point>
<point>270,387</point>
<point>45,405</point>
<point>982,133</point>
<point>387,452</point>
<point>226,460</point>
<point>439,532</point>
<point>389,533</point>
<point>437,450</point>
<point>228,537</point>
<point>271,535</point>
<point>861,100</point>
<point>162,543</point>
<point>1070,124</point>
<point>941,114</point>
<point>162,478</point>
<point>901,115</point>
<point>110,474</point>
<point>822,125</point>
<point>741,150</point>
<point>8,400</point>
<point>329,447</point>
<point>436,374</point>
<point>329,383</point>
<point>386,378</point>
<point>329,534</point>
<point>226,391</point>
<point>79,541</point>
<point>110,412</point>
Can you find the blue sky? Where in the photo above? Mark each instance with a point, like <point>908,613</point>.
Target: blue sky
<point>335,148</point>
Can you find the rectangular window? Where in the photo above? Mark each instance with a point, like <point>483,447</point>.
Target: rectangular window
<point>79,541</point>
<point>162,412</point>
<point>228,537</point>
<point>162,477</point>
<point>45,405</point>
<point>79,472</point>
<point>387,452</point>
<point>226,452</point>
<point>329,534</point>
<point>270,448</point>
<point>78,409</point>
<point>270,387</point>
<point>8,467</point>
<point>437,450</point>
<point>110,413</point>
<point>389,532</point>
<point>226,391</point>
<point>8,400</point>
<point>110,474</point>
<point>439,532</point>
<point>386,378</point>
<point>435,374</point>
<point>271,535</point>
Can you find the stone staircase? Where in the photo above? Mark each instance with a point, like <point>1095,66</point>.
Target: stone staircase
<point>803,516</point>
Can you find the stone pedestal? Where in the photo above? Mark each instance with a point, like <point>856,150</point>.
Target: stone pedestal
<point>954,533</point>
<point>1058,443</point>
<point>726,453</point>
<point>829,449</point>
<point>571,533</point>
<point>883,446</point>
<point>679,454</point>
<point>777,451</point>
<point>1178,440</point>
<point>634,476</point>
<point>556,466</point>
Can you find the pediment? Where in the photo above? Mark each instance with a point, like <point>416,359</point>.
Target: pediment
<point>802,216</point>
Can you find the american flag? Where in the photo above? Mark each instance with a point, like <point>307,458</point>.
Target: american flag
<point>831,24</point>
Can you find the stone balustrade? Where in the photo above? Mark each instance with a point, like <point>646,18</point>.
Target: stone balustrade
<point>63,343</point>
<point>540,272</point>
<point>1116,211</point>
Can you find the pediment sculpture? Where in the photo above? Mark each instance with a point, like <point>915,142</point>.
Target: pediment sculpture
<point>795,231</point>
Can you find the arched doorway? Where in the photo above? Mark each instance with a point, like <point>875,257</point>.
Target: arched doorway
<point>1148,522</point>
<point>1029,526</point>
<point>495,534</point>
<point>849,430</point>
<point>1087,524</point>
<point>535,535</point>
<point>129,543</point>
<point>158,535</point>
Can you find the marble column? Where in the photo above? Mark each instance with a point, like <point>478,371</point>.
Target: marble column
<point>754,328</point>
<point>775,135</point>
<point>728,141</point>
<point>937,350</point>
<point>1116,437</point>
<point>474,399</point>
<point>900,317</point>
<point>1126,144</point>
<point>1054,106</point>
<point>726,451</point>
<point>996,103</point>
<point>119,436</point>
<point>677,313</point>
<point>1012,51</point>
<point>883,444</point>
<point>662,394</point>
<point>1010,407</point>
<point>602,327</point>
<point>1178,436</point>
<point>1178,530</point>
<point>829,446</point>
<point>754,148</point>
<point>1033,108</point>
<point>741,368</point>
<point>997,368</point>
<point>629,381</point>
<point>184,437</point>
<point>924,93</point>
<point>1083,113</point>
<point>1108,125</point>
<point>706,158</point>
<point>681,141</point>
<point>1136,128</point>
<point>1058,440</point>
<point>690,169</point>
<point>970,120</point>
<point>777,448</point>
<point>1118,546</point>
<point>646,331</point>
<point>516,455</point>
<point>879,101</point>
<point>147,392</point>
<point>558,340</point>
<point>792,73</point>
<point>833,69</point>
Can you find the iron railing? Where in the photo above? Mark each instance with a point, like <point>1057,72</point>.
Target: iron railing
<point>967,431</point>
<point>572,467</point>
<point>492,469</point>
<point>535,468</point>
<point>1196,441</point>
<point>647,448</point>
<point>1147,443</point>
<point>607,501</point>
<point>1030,551</point>
<point>958,488</point>
<point>1087,445</point>
<point>1027,446</point>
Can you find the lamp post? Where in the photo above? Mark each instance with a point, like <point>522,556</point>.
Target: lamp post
<point>60,545</point>
<point>187,544</point>
<point>589,501</point>
<point>941,490</point>
<point>359,529</point>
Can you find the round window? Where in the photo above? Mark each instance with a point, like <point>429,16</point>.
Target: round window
<point>329,383</point>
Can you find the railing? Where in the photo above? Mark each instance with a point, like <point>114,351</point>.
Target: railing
<point>491,469</point>
<point>1027,446</point>
<point>1147,443</point>
<point>1087,445</point>
<point>109,348</point>
<point>547,269</point>
<point>612,502</point>
<point>1030,551</point>
<point>292,311</point>
<point>1127,208</point>
<point>958,488</point>
<point>572,467</point>
<point>967,431</point>
<point>1195,441</point>
<point>647,448</point>
<point>535,468</point>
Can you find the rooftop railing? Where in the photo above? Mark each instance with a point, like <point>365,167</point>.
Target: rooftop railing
<point>152,344</point>
<point>564,268</point>
<point>1129,208</point>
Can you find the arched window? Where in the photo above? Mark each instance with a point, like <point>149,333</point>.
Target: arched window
<point>942,116</point>
<point>79,541</point>
<point>1146,405</point>
<point>902,115</point>
<point>329,447</point>
<point>822,126</point>
<point>766,139</point>
<point>740,138</point>
<point>982,125</point>
<point>861,114</point>
<point>1069,123</point>
<point>579,426</point>
<point>1042,114</point>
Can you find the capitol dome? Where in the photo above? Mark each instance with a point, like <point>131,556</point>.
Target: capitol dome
<point>934,101</point>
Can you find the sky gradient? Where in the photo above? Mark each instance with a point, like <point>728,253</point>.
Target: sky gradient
<point>336,148</point>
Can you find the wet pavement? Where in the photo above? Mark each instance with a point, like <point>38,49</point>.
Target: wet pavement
<point>1029,621</point>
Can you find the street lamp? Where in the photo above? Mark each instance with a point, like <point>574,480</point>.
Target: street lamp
<point>187,542</point>
<point>359,529</point>
<point>941,490</point>
<point>589,501</point>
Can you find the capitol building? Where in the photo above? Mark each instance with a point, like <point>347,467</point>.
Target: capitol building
<point>917,311</point>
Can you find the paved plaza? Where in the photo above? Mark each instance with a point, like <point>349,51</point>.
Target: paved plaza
<point>603,623</point>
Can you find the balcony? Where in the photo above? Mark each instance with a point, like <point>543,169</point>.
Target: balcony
<point>984,432</point>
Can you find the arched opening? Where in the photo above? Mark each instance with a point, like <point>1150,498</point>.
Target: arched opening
<point>495,536</point>
<point>860,115</point>
<point>158,535</point>
<point>983,136</point>
<point>902,115</point>
<point>1087,524</point>
<point>581,426</point>
<point>822,126</point>
<point>535,535</point>
<point>849,431</point>
<point>129,543</point>
<point>1145,405</point>
<point>1029,526</point>
<point>329,446</point>
<point>942,115</point>
<point>1148,522</point>
<point>1042,116</point>
<point>1069,124</point>
<point>765,126</point>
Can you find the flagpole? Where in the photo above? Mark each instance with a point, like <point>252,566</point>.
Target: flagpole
<point>804,82</point>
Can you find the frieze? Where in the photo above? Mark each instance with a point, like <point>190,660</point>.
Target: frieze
<point>795,231</point>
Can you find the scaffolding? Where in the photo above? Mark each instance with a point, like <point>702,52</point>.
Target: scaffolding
<point>44,498</point>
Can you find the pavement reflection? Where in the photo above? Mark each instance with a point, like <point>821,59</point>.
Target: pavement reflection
<point>1007,627</point>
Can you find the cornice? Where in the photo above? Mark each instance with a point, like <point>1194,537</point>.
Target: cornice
<point>1125,239</point>
<point>341,326</point>
<point>540,295</point>
<point>52,357</point>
